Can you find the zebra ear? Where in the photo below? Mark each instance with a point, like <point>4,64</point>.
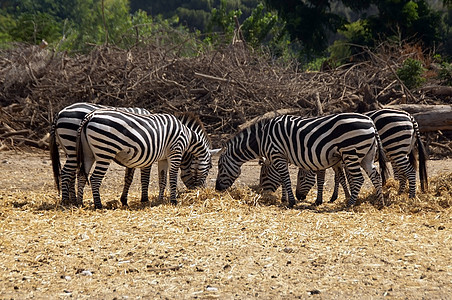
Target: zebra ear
<point>214,151</point>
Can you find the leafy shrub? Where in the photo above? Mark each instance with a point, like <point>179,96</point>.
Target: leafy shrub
<point>411,73</point>
<point>445,73</point>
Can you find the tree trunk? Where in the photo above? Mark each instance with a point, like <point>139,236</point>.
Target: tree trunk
<point>429,117</point>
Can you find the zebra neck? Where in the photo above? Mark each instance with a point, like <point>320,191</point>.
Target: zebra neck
<point>248,144</point>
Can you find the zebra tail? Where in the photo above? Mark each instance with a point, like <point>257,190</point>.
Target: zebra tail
<point>382,159</point>
<point>79,148</point>
<point>55,155</point>
<point>423,157</point>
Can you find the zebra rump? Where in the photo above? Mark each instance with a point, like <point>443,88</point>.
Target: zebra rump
<point>64,132</point>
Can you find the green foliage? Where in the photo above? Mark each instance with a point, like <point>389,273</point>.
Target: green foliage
<point>313,23</point>
<point>32,28</point>
<point>310,22</point>
<point>193,14</point>
<point>259,25</point>
<point>445,73</point>
<point>411,73</point>
<point>7,22</point>
<point>356,33</point>
<point>316,64</point>
<point>222,24</point>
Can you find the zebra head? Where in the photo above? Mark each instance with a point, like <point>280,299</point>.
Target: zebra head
<point>242,147</point>
<point>197,160</point>
<point>228,171</point>
<point>194,170</point>
<point>190,168</point>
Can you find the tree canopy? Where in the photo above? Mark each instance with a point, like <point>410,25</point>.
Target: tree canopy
<point>306,28</point>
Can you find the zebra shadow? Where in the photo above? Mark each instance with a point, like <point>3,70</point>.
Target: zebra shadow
<point>33,205</point>
<point>363,203</point>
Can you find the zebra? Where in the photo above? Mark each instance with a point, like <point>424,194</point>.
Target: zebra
<point>137,141</point>
<point>309,143</point>
<point>400,136</point>
<point>64,132</point>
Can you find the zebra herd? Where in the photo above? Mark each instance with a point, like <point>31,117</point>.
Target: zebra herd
<point>94,135</point>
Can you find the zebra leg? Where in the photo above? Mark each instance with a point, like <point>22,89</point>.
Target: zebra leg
<point>339,177</point>
<point>336,187</point>
<point>305,181</point>
<point>283,171</point>
<point>395,171</point>
<point>375,177</point>
<point>96,180</point>
<point>162,170</point>
<point>145,175</point>
<point>68,181</point>
<point>411,174</point>
<point>320,183</point>
<point>128,178</point>
<point>407,171</point>
<point>283,196</point>
<point>81,182</point>
<point>356,180</point>
<point>174,164</point>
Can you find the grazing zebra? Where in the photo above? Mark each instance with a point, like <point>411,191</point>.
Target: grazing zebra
<point>137,141</point>
<point>399,133</point>
<point>64,132</point>
<point>190,174</point>
<point>309,143</point>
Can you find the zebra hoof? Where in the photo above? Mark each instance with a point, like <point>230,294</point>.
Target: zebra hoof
<point>333,199</point>
<point>300,196</point>
<point>350,203</point>
<point>124,202</point>
<point>144,200</point>
<point>98,206</point>
<point>290,204</point>
<point>173,202</point>
<point>317,203</point>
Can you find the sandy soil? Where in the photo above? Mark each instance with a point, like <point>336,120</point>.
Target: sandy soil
<point>214,245</point>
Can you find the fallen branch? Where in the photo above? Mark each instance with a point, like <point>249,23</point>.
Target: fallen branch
<point>215,78</point>
<point>13,133</point>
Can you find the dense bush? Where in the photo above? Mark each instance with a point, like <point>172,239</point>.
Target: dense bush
<point>411,73</point>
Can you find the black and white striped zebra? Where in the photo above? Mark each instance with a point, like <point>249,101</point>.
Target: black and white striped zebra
<point>189,165</point>
<point>64,132</point>
<point>309,143</point>
<point>400,136</point>
<point>137,141</point>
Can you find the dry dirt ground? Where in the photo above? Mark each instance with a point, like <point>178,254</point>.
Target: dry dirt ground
<point>232,245</point>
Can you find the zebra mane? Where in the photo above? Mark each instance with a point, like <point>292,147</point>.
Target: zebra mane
<point>258,123</point>
<point>193,122</point>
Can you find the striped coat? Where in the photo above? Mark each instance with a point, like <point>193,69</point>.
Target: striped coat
<point>400,138</point>
<point>64,133</point>
<point>310,143</point>
<point>137,141</point>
